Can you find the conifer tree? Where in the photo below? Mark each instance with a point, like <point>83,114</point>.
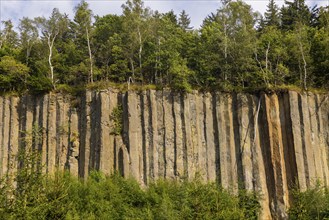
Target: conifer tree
<point>293,13</point>
<point>184,21</point>
<point>272,15</point>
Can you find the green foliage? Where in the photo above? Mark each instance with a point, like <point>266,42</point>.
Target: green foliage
<point>117,118</point>
<point>272,17</point>
<point>234,49</point>
<point>13,74</point>
<point>310,204</point>
<point>61,196</point>
<point>39,84</point>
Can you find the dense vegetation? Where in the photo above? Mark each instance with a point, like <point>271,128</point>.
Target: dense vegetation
<point>234,48</point>
<point>61,196</point>
<point>101,197</point>
<point>310,204</point>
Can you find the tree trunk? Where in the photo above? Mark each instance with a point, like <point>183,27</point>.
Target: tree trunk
<point>256,121</point>
<point>304,66</point>
<point>90,58</point>
<point>157,60</point>
<point>132,68</point>
<point>28,52</point>
<point>50,45</point>
<point>225,49</point>
<point>266,55</point>
<point>261,68</point>
<point>140,53</point>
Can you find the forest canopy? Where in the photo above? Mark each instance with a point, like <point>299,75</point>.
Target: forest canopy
<point>234,48</point>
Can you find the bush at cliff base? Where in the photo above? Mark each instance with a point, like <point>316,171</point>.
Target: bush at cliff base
<point>61,196</point>
<point>310,204</point>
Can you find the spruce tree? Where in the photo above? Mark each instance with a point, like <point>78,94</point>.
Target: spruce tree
<point>184,21</point>
<point>272,16</point>
<point>293,13</point>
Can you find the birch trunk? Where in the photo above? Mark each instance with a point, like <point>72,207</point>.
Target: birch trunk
<point>50,45</point>
<point>90,58</point>
<point>140,52</point>
<point>304,66</point>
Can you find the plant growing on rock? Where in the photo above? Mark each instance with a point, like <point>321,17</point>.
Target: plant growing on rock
<point>117,119</point>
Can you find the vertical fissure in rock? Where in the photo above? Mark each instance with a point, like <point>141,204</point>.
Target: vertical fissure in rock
<point>151,135</point>
<point>21,122</point>
<point>69,138</point>
<point>182,115</point>
<point>43,124</point>
<point>40,123</point>
<point>302,135</point>
<point>47,134</point>
<point>237,143</point>
<point>35,128</point>
<point>14,133</point>
<point>93,131</point>
<point>175,133</point>
<point>115,155</point>
<point>252,136</point>
<point>216,138</point>
<point>164,136</point>
<point>6,138</point>
<point>264,134</point>
<point>121,163</point>
<point>142,113</point>
<point>125,139</point>
<point>97,131</point>
<point>204,121</point>
<point>59,127</point>
<point>82,135</point>
<point>317,113</point>
<point>287,142</point>
<point>9,156</point>
<point>321,136</point>
<point>244,124</point>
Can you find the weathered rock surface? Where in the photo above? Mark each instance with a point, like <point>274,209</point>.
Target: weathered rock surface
<point>266,143</point>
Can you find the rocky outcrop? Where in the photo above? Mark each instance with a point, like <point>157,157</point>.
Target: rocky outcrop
<point>268,143</point>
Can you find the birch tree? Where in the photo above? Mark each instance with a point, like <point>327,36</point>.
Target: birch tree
<point>299,55</point>
<point>51,29</point>
<point>136,29</point>
<point>83,19</point>
<point>28,36</point>
<point>8,36</point>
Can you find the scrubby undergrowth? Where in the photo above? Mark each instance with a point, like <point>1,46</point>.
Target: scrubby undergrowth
<point>32,194</point>
<point>310,204</point>
<point>62,196</point>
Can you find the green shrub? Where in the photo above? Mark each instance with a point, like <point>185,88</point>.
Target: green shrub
<point>61,196</point>
<point>310,204</point>
<point>117,118</point>
<point>39,84</point>
<point>30,193</point>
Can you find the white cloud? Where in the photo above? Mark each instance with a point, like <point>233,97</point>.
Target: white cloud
<point>16,10</point>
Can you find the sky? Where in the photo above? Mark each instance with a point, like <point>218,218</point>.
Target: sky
<point>197,9</point>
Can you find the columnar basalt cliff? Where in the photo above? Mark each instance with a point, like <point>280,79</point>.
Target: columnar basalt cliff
<point>268,143</point>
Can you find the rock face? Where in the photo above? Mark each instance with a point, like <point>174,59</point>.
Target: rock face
<point>269,143</point>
